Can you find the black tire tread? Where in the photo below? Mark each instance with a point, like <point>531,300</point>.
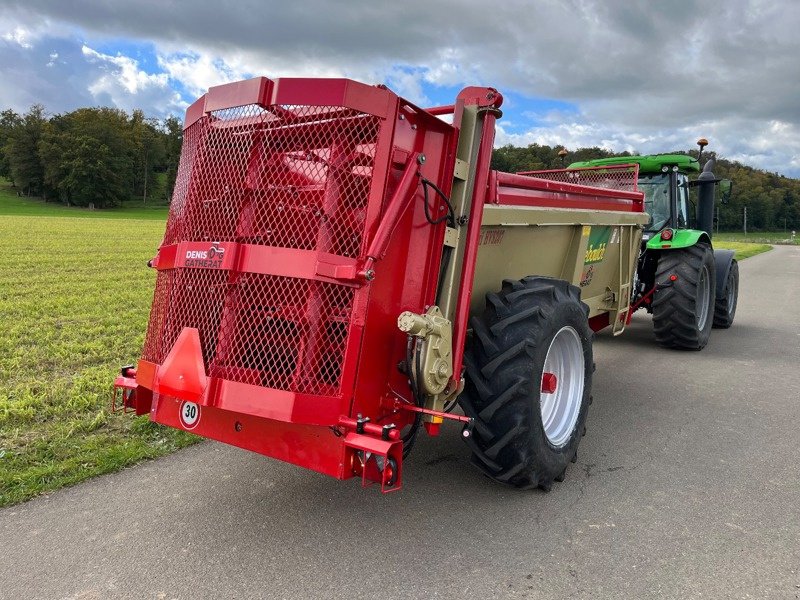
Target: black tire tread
<point>498,393</point>
<point>723,316</point>
<point>674,321</point>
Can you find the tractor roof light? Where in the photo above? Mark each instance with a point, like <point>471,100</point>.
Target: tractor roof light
<point>666,235</point>
<point>664,169</point>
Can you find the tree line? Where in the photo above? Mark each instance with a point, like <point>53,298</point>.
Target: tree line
<point>91,156</point>
<point>102,157</point>
<point>772,200</point>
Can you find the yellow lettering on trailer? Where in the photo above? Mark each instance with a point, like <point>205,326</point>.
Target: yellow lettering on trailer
<point>594,255</point>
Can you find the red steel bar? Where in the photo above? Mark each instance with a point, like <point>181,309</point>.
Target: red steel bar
<point>447,109</point>
<point>473,237</point>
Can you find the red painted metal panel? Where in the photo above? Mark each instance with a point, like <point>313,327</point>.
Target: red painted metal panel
<point>195,112</point>
<point>312,447</point>
<point>275,404</point>
<point>599,322</point>
<point>239,93</point>
<point>479,96</point>
<point>372,100</point>
<point>407,275</point>
<point>252,258</point>
<point>182,373</point>
<point>521,190</point>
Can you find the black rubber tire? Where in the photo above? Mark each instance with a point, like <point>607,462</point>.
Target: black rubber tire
<point>725,307</point>
<point>504,363</point>
<point>676,304</point>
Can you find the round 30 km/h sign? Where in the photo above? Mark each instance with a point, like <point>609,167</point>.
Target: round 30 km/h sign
<point>190,415</point>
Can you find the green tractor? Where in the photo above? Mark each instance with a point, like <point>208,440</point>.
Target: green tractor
<point>680,279</point>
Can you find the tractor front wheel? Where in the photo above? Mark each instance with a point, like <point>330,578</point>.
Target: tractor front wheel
<point>683,306</point>
<point>725,307</point>
<point>528,381</point>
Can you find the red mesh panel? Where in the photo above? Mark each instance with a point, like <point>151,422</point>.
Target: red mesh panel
<point>294,177</point>
<point>284,333</point>
<point>286,176</point>
<point>613,177</point>
<point>153,341</point>
<point>185,298</point>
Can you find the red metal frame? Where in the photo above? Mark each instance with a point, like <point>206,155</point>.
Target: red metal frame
<point>523,190</point>
<point>297,234</point>
<point>234,134</point>
<point>488,101</point>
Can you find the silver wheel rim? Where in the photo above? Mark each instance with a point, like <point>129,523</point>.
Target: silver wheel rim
<point>560,409</point>
<point>703,290</point>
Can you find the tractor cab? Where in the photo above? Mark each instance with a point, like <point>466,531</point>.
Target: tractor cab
<point>664,180</point>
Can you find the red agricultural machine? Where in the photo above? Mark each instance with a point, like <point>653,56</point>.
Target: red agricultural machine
<point>341,269</point>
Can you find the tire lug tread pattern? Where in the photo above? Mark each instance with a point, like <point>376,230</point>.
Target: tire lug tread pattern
<point>674,307</point>
<point>724,314</point>
<point>503,366</point>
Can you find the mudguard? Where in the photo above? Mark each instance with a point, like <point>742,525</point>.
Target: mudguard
<point>723,259</point>
<point>681,238</point>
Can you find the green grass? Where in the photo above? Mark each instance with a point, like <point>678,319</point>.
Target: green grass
<point>743,249</point>
<point>11,204</point>
<point>74,304</point>
<point>760,237</point>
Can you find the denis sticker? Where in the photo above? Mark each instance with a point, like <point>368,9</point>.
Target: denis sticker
<point>190,415</point>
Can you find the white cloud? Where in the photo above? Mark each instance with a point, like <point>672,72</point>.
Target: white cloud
<point>125,84</point>
<point>124,71</point>
<point>20,36</point>
<point>774,146</point>
<point>198,72</point>
<point>407,83</point>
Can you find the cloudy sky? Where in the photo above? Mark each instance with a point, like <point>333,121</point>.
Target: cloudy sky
<point>639,75</point>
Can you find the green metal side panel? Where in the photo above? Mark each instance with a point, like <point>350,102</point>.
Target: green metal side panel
<point>647,164</point>
<point>681,238</point>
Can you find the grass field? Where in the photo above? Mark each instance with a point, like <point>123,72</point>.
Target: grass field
<point>743,249</point>
<point>11,204</point>
<point>74,303</point>
<point>760,237</point>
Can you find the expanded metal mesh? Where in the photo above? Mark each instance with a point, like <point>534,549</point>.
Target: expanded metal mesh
<point>185,298</point>
<point>284,333</point>
<point>285,176</point>
<point>616,177</point>
<point>295,177</point>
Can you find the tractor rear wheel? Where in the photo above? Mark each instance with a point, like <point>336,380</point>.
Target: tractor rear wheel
<point>725,307</point>
<point>683,306</point>
<point>528,381</point>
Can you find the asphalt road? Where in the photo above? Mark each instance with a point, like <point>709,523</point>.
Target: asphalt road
<point>687,486</point>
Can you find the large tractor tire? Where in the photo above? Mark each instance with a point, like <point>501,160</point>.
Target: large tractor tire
<point>683,306</point>
<point>528,381</point>
<point>725,307</point>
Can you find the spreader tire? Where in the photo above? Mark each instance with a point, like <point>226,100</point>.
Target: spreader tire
<point>683,305</point>
<point>524,436</point>
<point>725,307</point>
